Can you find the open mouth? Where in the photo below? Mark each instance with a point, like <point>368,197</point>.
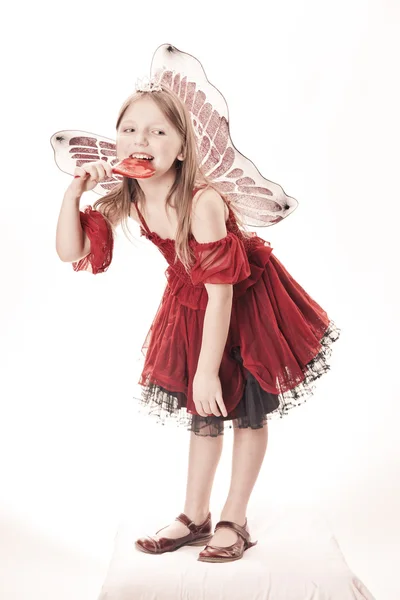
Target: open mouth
<point>142,157</point>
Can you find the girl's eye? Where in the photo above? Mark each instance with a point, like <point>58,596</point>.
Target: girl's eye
<point>158,130</point>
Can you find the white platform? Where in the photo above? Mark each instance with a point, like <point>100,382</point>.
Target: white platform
<point>297,558</point>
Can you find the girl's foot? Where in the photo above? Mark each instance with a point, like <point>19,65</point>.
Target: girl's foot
<point>226,537</point>
<point>172,537</point>
<point>178,529</point>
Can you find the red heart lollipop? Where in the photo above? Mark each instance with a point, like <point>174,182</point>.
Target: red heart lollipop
<point>136,168</point>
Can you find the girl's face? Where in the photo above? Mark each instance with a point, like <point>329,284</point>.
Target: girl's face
<point>145,129</point>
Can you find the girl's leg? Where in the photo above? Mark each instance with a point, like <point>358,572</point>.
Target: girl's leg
<point>204,455</point>
<point>249,449</point>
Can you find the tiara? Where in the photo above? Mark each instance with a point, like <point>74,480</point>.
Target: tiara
<point>147,85</point>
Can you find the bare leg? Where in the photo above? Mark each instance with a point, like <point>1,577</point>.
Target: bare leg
<point>249,449</point>
<point>204,455</point>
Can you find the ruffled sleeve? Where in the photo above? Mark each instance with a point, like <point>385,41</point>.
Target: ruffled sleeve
<point>223,261</point>
<point>101,239</point>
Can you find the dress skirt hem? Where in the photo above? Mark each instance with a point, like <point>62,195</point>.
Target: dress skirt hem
<point>256,405</point>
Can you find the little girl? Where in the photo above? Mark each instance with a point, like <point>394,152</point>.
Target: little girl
<point>235,339</point>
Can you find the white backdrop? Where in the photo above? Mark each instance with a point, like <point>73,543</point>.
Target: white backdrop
<point>313,96</point>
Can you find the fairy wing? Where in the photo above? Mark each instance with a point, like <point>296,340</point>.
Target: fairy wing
<point>73,148</point>
<point>261,201</point>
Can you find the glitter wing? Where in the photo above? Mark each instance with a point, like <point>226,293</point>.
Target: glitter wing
<point>73,148</point>
<point>262,202</point>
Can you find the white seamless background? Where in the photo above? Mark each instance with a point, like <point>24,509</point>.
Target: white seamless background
<point>313,96</point>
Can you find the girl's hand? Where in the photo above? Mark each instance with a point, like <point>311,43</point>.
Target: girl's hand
<point>87,176</point>
<point>207,395</point>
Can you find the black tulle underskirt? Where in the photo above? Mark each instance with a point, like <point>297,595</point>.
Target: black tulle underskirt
<point>256,406</point>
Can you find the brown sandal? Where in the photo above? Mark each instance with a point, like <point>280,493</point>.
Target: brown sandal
<point>198,536</point>
<point>229,553</point>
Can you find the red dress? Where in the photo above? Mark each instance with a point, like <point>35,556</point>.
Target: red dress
<point>279,338</point>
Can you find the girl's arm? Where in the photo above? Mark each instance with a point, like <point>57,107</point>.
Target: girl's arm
<point>215,331</point>
<point>71,242</point>
<point>208,222</point>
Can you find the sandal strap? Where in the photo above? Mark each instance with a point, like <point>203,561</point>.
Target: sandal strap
<point>188,522</point>
<point>238,528</point>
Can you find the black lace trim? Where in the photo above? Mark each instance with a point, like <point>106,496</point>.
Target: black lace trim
<point>256,406</point>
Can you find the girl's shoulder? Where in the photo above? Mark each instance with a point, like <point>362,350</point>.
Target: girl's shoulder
<point>197,192</point>
<point>211,192</point>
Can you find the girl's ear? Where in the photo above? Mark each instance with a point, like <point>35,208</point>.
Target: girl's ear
<point>181,155</point>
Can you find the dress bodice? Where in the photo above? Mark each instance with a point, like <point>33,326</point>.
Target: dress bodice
<point>167,245</point>
<point>222,261</point>
<point>235,259</point>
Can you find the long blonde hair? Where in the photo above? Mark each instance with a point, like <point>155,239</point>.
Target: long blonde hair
<point>115,205</point>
